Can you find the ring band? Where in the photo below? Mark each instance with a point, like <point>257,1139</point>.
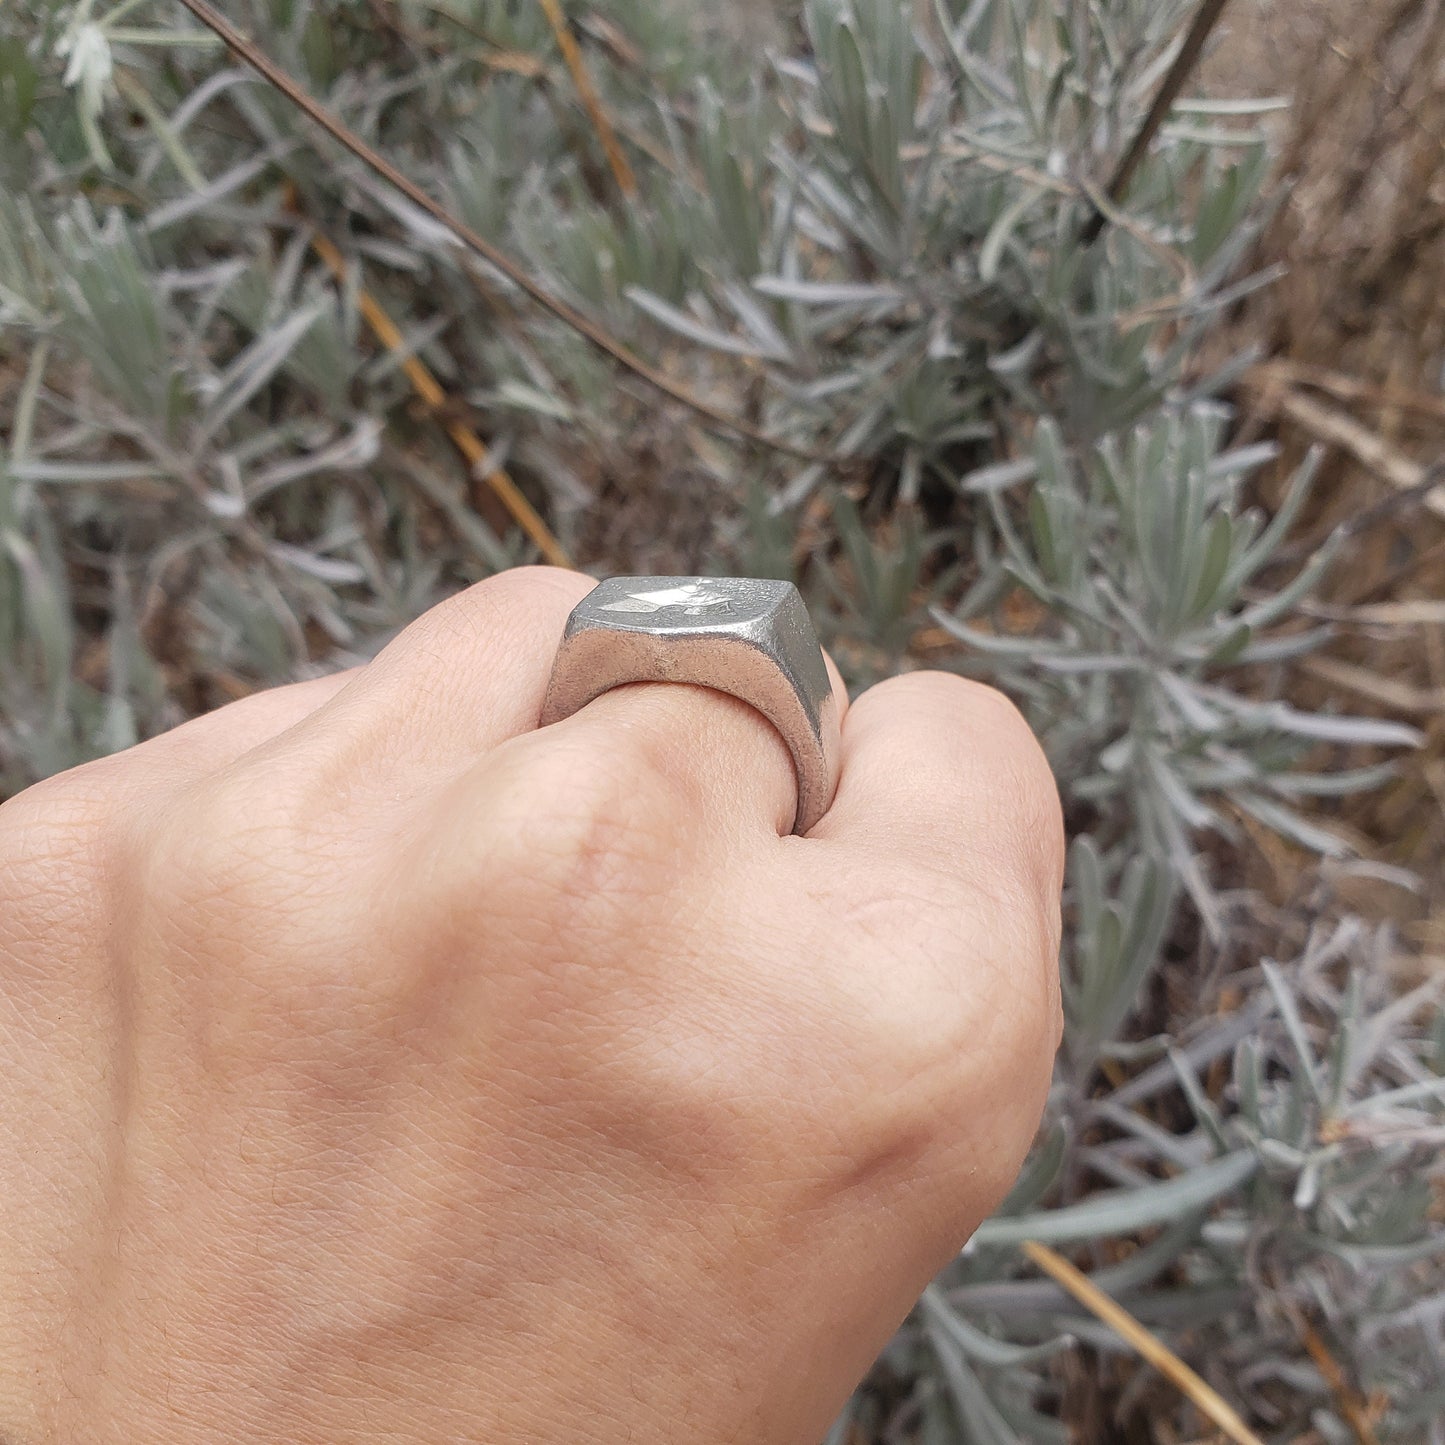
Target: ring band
<point>750,638</point>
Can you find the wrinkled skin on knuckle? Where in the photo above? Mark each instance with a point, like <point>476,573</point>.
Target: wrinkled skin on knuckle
<point>949,1030</point>
<point>1015,873</point>
<point>56,824</point>
<point>215,865</point>
<point>1019,900</point>
<point>250,901</point>
<point>58,848</point>
<point>576,843</point>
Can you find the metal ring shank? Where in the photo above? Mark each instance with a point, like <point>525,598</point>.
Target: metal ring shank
<point>591,661</point>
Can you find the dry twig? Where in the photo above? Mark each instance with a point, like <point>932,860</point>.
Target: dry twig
<point>1386,692</point>
<point>1348,388</point>
<point>1403,473</point>
<point>1355,1410</point>
<point>467,442</point>
<point>1190,53</point>
<point>601,123</point>
<point>1413,612</point>
<point>1205,1398</point>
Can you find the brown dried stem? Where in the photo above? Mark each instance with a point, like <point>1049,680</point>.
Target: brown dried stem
<point>467,442</point>
<point>587,92</point>
<point>1190,53</point>
<point>1206,1399</point>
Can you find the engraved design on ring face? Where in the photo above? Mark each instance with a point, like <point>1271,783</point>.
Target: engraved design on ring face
<point>693,598</point>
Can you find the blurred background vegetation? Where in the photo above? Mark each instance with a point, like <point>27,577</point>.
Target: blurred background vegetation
<point>874,303</point>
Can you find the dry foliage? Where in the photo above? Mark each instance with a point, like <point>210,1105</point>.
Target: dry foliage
<point>1355,335</point>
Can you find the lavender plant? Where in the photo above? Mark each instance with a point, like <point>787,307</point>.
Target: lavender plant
<point>871,247</point>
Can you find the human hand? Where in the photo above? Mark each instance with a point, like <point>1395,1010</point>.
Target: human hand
<point>378,1068</point>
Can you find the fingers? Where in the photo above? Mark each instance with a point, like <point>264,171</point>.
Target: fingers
<point>471,676</point>
<point>947,825</point>
<point>467,674</point>
<point>935,767</point>
<point>144,777</point>
<point>467,677</point>
<point>724,764</point>
<point>462,678</point>
<point>207,744</point>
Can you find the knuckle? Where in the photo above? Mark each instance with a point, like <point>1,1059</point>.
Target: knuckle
<point>553,579</point>
<point>1039,819</point>
<point>957,696</point>
<point>475,612</point>
<point>959,705</point>
<point>1011,1038</point>
<point>239,864</point>
<point>263,905</point>
<point>1012,736</point>
<point>56,827</point>
<point>1003,713</point>
<point>56,844</point>
<point>576,832</point>
<point>218,841</point>
<point>1033,812</point>
<point>1022,1025</point>
<point>1015,971</point>
<point>947,1016</point>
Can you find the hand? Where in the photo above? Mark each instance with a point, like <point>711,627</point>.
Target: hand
<point>379,1068</point>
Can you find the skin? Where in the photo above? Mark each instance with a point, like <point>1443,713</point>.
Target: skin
<point>380,1068</point>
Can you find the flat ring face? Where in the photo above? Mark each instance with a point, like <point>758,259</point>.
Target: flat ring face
<point>750,638</point>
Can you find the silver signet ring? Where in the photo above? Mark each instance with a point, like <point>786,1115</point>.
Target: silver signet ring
<point>749,638</point>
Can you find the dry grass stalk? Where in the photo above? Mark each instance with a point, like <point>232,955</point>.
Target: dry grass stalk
<point>1205,1398</point>
<point>1386,692</point>
<point>468,443</point>
<point>1368,448</point>
<point>587,91</point>
<point>1357,1411</point>
<point>1348,388</point>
